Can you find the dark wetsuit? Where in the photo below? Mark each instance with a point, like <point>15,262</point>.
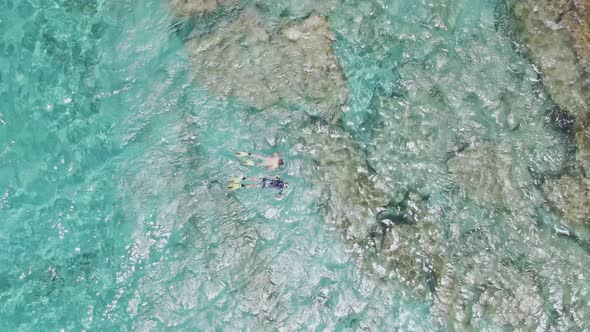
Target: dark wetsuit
<point>273,183</point>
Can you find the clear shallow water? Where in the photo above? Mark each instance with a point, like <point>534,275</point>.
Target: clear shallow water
<point>114,163</point>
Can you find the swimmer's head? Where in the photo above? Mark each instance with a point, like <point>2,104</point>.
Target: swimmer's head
<point>281,162</point>
<point>286,185</point>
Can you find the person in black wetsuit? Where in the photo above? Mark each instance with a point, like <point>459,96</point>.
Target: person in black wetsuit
<point>276,183</point>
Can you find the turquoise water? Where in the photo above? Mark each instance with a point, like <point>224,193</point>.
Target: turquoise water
<point>113,163</point>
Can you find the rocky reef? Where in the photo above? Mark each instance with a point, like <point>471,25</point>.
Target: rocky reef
<point>409,246</point>
<point>569,196</point>
<point>556,37</point>
<point>289,67</point>
<point>487,288</point>
<point>293,68</point>
<point>479,236</point>
<point>484,174</point>
<point>350,196</point>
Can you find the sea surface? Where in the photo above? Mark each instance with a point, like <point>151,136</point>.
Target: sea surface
<point>114,213</point>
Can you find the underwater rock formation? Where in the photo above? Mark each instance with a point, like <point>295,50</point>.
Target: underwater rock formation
<point>491,288</point>
<point>295,68</point>
<point>483,172</point>
<point>398,241</point>
<point>456,257</point>
<point>196,7</point>
<point>480,292</point>
<point>557,39</point>
<point>570,196</point>
<point>350,194</point>
<point>409,246</point>
<point>292,68</point>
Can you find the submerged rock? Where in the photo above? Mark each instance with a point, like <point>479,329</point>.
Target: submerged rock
<point>358,204</point>
<point>350,194</point>
<point>495,285</point>
<point>570,197</point>
<point>557,39</point>
<point>483,293</point>
<point>556,34</point>
<point>294,68</point>
<point>196,7</point>
<point>394,239</point>
<point>412,251</point>
<point>483,173</point>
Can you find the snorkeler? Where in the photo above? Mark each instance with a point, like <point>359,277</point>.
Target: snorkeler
<point>271,163</point>
<point>276,183</point>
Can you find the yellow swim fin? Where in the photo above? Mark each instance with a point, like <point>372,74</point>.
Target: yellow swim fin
<point>248,162</point>
<point>234,186</point>
<point>242,154</point>
<point>237,180</point>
